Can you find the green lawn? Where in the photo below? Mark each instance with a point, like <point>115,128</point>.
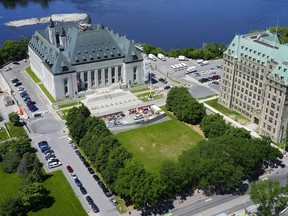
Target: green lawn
<point>9,184</point>
<point>14,130</point>
<point>47,93</point>
<point>228,112</point>
<point>153,98</point>
<point>3,134</point>
<point>156,143</point>
<point>65,200</point>
<point>69,105</point>
<point>32,75</point>
<point>140,90</point>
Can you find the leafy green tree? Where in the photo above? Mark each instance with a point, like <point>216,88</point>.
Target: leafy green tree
<point>12,207</point>
<point>26,164</point>
<point>267,194</point>
<point>14,118</point>
<point>192,112</point>
<point>171,176</point>
<point>213,126</point>
<point>13,50</point>
<point>237,132</point>
<point>33,195</point>
<point>22,145</point>
<point>11,161</point>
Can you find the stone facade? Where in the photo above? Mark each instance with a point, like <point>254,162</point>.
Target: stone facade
<point>70,58</point>
<point>255,81</point>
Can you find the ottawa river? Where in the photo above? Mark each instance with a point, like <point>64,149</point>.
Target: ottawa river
<point>163,23</point>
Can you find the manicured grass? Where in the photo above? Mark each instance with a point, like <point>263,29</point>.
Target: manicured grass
<point>47,93</point>
<point>140,90</point>
<point>153,98</point>
<point>146,94</point>
<point>9,184</point>
<point>209,96</point>
<point>155,143</point>
<point>231,113</point>
<point>65,200</point>
<point>15,131</point>
<point>69,105</point>
<point>32,75</point>
<point>3,134</point>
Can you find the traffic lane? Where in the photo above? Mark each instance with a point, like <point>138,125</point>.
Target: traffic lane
<point>67,156</point>
<point>208,205</point>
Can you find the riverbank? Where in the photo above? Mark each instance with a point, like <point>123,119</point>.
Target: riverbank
<point>74,17</point>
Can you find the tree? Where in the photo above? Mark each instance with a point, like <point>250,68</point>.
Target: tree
<point>11,161</point>
<point>33,194</point>
<point>26,164</point>
<point>13,50</point>
<point>192,112</point>
<point>237,132</point>
<point>12,207</point>
<point>14,118</point>
<point>22,145</point>
<point>213,126</point>
<point>269,194</point>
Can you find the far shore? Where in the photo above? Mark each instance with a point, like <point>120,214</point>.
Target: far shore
<point>55,17</point>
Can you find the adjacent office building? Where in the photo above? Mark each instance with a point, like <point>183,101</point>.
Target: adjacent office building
<point>74,57</point>
<point>255,81</point>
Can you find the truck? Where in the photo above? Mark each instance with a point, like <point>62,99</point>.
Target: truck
<point>199,61</point>
<point>161,56</point>
<point>152,57</point>
<point>191,70</point>
<point>182,58</point>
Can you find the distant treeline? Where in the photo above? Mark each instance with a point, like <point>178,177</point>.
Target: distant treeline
<point>209,51</point>
<point>13,50</point>
<point>11,4</point>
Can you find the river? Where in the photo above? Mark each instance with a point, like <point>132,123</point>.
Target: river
<point>163,23</point>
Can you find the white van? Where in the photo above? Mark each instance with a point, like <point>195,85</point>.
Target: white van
<point>200,61</point>
<point>177,67</point>
<point>173,67</point>
<point>191,70</point>
<point>180,66</point>
<point>184,65</point>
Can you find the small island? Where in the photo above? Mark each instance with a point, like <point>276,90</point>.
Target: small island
<point>55,17</point>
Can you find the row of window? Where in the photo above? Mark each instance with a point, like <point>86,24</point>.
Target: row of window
<point>245,105</point>
<point>269,128</point>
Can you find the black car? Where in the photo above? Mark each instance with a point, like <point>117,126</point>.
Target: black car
<point>82,158</point>
<point>17,84</point>
<point>107,192</point>
<point>78,182</point>
<point>14,80</point>
<point>167,87</point>
<point>86,164</point>
<point>83,190</point>
<point>95,208</point>
<point>96,177</point>
<point>89,200</point>
<point>90,170</point>
<point>78,153</point>
<point>100,183</point>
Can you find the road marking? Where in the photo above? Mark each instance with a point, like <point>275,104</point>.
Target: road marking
<point>208,200</point>
<point>62,137</point>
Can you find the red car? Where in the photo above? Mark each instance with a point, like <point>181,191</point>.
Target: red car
<point>69,168</point>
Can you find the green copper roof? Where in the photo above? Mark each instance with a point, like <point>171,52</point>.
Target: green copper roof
<point>94,44</point>
<point>261,47</point>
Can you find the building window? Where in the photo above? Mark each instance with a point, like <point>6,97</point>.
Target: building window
<point>270,119</point>
<point>106,76</point>
<point>134,73</point>
<point>85,80</point>
<point>120,74</point>
<point>272,112</point>
<point>113,74</point>
<point>269,128</point>
<point>93,78</point>
<point>99,77</point>
<point>65,86</point>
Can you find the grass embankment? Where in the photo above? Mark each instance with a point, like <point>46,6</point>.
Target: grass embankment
<point>3,134</point>
<point>140,90</point>
<point>230,113</point>
<point>47,93</point>
<point>65,200</point>
<point>69,105</point>
<point>15,131</point>
<point>32,75</point>
<point>155,143</point>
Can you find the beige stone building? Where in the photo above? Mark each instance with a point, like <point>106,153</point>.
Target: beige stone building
<point>70,58</point>
<point>255,81</point>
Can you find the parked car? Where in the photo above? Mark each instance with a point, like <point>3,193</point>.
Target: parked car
<point>43,144</point>
<point>23,94</point>
<point>20,89</point>
<point>101,185</point>
<point>17,84</point>
<point>137,117</point>
<point>167,87</point>
<point>215,82</point>
<point>44,149</point>
<point>34,109</point>
<point>7,68</point>
<point>78,182</point>
<point>90,170</point>
<point>83,190</point>
<point>47,157</point>
<point>86,164</point>
<point>48,152</point>
<point>52,159</point>
<point>74,176</point>
<point>96,177</point>
<point>27,97</point>
<point>73,146</point>
<point>113,201</point>
<point>69,168</point>
<point>82,158</point>
<point>54,164</point>
<point>78,153</point>
<point>95,208</point>
<point>14,79</point>
<point>89,200</point>
<point>107,192</point>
